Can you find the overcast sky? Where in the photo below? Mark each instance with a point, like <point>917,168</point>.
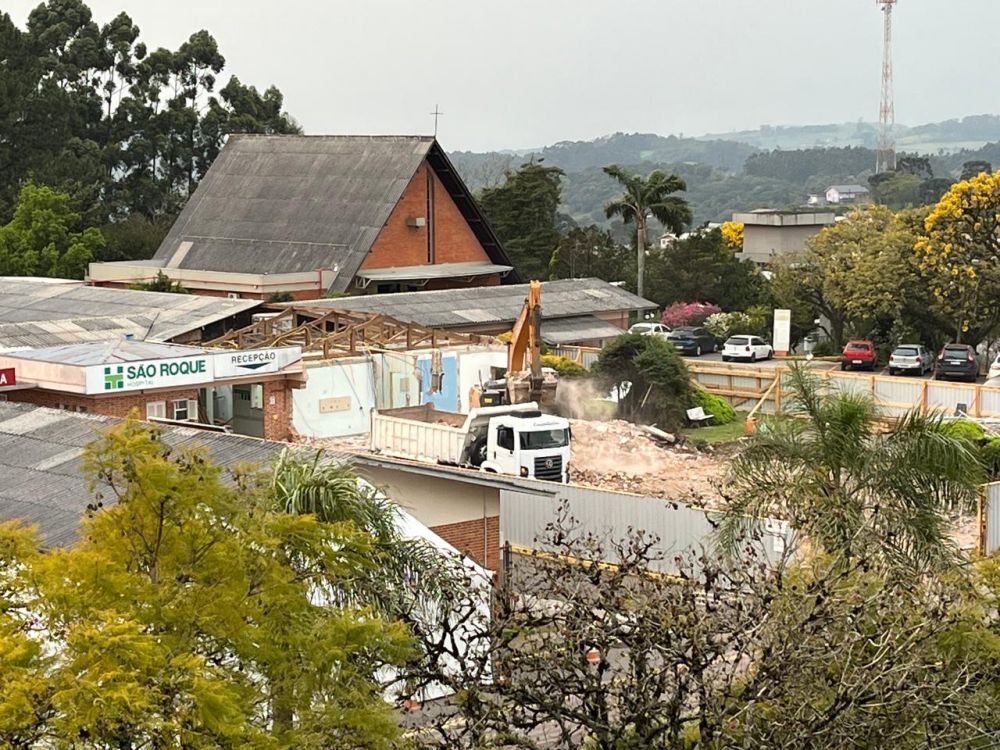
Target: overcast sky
<point>522,73</point>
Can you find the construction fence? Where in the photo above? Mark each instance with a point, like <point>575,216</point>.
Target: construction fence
<point>744,386</point>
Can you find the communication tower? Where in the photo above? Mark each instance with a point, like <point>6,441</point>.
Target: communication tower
<point>885,152</point>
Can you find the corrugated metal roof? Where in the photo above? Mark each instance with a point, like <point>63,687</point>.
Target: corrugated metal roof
<point>290,204</point>
<point>581,328</point>
<point>451,308</point>
<point>34,315</point>
<point>110,352</point>
<point>40,479</point>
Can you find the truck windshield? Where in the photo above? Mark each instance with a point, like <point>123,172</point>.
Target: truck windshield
<point>544,439</point>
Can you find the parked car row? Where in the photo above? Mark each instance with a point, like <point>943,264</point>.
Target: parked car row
<point>695,341</point>
<point>953,361</point>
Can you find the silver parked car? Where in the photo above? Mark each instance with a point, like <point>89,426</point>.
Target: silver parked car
<point>907,358</point>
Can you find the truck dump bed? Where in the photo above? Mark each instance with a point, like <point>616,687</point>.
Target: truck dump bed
<point>421,433</point>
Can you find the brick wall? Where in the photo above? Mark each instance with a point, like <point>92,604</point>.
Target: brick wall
<point>277,410</point>
<point>112,406</point>
<point>402,245</point>
<point>467,537</point>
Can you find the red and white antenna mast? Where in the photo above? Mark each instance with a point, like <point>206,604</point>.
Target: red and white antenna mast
<point>885,152</point>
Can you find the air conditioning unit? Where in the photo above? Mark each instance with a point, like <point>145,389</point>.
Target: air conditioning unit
<point>233,295</point>
<point>416,221</point>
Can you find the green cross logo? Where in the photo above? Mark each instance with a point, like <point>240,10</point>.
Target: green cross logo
<point>113,380</point>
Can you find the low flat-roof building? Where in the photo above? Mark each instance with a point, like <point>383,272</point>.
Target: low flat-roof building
<point>308,215</point>
<point>574,311</point>
<point>768,234</point>
<point>247,392</point>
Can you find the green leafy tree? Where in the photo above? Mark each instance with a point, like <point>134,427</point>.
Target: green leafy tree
<point>702,267</point>
<point>645,199</point>
<point>590,252</point>
<point>852,488</point>
<point>88,110</point>
<point>40,241</point>
<point>191,613</point>
<point>524,213</point>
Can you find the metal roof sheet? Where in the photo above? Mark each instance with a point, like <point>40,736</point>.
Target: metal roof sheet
<point>110,352</point>
<point>33,314</point>
<point>273,204</point>
<point>450,308</point>
<point>581,328</point>
<point>40,463</point>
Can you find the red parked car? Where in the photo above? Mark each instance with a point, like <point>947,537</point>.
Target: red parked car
<point>858,354</point>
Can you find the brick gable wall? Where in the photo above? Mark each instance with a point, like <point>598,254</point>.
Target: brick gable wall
<point>402,245</point>
<point>467,537</point>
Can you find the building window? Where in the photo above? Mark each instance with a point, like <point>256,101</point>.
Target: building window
<point>256,396</point>
<point>156,410</point>
<point>184,410</point>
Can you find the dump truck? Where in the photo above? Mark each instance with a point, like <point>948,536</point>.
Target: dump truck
<point>514,439</point>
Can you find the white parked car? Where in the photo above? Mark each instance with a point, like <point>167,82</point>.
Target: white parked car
<point>650,329</point>
<point>910,358</point>
<point>746,347</point>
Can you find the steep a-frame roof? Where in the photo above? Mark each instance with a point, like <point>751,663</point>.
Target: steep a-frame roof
<point>274,204</point>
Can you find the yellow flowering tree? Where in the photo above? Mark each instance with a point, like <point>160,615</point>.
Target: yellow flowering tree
<point>732,235</point>
<point>959,256</point>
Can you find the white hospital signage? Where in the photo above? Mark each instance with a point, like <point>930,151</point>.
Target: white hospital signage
<point>184,371</point>
<point>156,373</point>
<point>240,364</point>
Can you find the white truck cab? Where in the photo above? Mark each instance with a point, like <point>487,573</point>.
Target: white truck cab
<point>528,446</point>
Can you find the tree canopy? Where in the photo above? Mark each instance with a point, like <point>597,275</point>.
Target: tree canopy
<point>88,110</point>
<point>193,612</point>
<point>523,212</point>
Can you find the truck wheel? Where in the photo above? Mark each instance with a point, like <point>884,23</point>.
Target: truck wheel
<point>477,454</point>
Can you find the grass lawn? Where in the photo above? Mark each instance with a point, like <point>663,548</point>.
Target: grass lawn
<point>725,433</point>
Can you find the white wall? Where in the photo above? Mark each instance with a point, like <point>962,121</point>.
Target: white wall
<point>345,378</point>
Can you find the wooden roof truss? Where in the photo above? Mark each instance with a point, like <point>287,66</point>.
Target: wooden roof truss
<point>340,333</point>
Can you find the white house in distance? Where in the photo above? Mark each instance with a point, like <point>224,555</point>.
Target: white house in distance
<point>847,194</point>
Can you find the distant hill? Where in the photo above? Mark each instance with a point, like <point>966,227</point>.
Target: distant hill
<point>970,132</point>
<point>771,167</point>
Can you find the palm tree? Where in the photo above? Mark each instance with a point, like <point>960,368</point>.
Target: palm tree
<point>403,572</point>
<point>644,198</point>
<point>850,485</point>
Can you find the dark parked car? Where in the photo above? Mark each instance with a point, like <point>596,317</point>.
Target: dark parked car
<point>692,340</point>
<point>957,361</point>
<point>858,354</point>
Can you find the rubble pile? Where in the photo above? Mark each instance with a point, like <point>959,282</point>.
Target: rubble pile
<point>619,455</point>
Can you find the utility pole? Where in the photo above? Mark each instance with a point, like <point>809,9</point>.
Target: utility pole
<point>885,152</point>
<point>437,113</point>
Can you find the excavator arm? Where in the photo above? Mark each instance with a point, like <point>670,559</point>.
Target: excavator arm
<point>525,350</point>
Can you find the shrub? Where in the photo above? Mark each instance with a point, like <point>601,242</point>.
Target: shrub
<point>659,382</point>
<point>724,325</point>
<point>688,313</point>
<point>989,454</point>
<point>720,409</point>
<point>566,367</point>
<point>963,428</point>
<point>824,348</point>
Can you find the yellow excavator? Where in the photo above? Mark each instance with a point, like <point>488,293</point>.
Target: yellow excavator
<point>525,381</point>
